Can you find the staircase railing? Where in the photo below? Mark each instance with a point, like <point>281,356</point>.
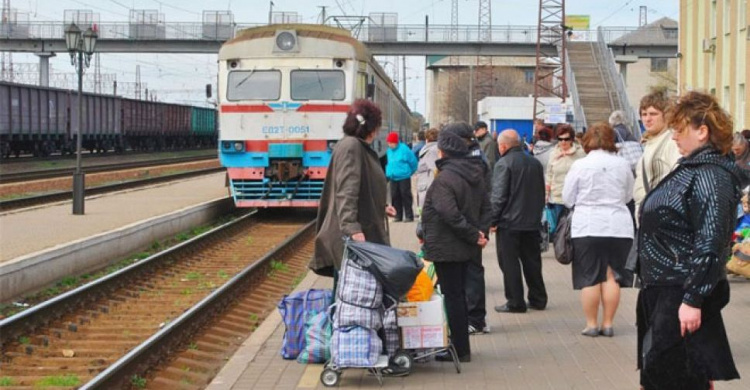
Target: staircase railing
<point>579,121</point>
<point>609,66</point>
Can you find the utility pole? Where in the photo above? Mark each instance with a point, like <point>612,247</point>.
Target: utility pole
<point>270,12</point>
<point>97,74</point>
<point>484,80</point>
<point>642,16</point>
<point>322,14</point>
<point>549,76</point>
<point>138,82</point>
<point>403,76</point>
<point>451,95</point>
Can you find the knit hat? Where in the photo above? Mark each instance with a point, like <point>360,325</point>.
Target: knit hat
<point>392,138</point>
<point>452,140</point>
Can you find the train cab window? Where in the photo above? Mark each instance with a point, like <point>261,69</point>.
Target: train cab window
<point>318,85</point>
<point>254,85</point>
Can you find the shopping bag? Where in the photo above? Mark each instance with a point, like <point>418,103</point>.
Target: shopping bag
<point>317,347</point>
<point>740,262</point>
<point>563,241</point>
<point>295,310</point>
<point>422,289</point>
<point>355,346</point>
<point>395,269</point>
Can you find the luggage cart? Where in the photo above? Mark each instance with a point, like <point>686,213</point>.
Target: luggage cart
<point>405,358</point>
<point>332,373</point>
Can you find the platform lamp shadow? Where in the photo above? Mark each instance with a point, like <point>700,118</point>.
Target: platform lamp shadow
<point>81,45</point>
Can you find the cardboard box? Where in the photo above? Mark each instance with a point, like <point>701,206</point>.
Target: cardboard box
<point>430,336</point>
<point>421,313</point>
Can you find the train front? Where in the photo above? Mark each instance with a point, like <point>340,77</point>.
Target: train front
<point>284,92</point>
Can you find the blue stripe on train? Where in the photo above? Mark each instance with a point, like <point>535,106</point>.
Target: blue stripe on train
<point>261,159</point>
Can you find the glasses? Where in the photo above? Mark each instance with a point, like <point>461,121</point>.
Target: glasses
<point>563,138</point>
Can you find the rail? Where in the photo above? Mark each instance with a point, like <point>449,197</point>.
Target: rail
<point>195,31</point>
<point>618,84</point>
<point>579,114</point>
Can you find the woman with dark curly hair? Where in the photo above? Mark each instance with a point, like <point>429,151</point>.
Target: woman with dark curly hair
<point>353,203</point>
<point>686,224</point>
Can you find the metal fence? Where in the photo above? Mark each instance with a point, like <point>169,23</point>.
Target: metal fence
<point>403,33</point>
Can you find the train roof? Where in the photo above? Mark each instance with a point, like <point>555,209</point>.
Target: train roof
<point>318,31</point>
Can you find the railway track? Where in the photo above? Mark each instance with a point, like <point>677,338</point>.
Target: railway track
<point>14,177</point>
<point>181,312</point>
<point>18,203</point>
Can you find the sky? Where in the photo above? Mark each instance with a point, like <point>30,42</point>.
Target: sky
<point>182,77</point>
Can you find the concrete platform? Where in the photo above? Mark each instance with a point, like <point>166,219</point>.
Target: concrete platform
<point>535,350</point>
<point>40,245</point>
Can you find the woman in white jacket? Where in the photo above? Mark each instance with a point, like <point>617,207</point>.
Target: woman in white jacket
<point>426,167</point>
<point>599,185</point>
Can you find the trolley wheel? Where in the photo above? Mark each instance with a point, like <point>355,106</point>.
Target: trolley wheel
<point>403,359</point>
<point>329,377</point>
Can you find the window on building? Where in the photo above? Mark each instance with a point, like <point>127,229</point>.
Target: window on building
<point>318,85</point>
<point>529,76</point>
<point>659,64</point>
<point>671,33</point>
<point>725,98</point>
<point>727,11</point>
<point>253,85</point>
<point>712,19</point>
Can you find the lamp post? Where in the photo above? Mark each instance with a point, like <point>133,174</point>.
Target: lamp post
<point>82,45</point>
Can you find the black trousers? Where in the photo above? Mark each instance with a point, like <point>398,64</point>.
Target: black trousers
<point>402,199</point>
<point>451,277</point>
<point>517,252</point>
<point>475,293</point>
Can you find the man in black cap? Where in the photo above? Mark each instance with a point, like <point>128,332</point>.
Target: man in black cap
<point>486,142</point>
<point>456,224</point>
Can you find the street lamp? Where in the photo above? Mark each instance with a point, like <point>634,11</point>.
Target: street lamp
<point>83,45</point>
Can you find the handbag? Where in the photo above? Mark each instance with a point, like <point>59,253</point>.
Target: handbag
<point>740,262</point>
<point>563,241</point>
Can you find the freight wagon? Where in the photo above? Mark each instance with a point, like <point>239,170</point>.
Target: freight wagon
<point>41,121</point>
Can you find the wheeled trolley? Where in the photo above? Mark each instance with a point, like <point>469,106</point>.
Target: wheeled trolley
<point>332,373</point>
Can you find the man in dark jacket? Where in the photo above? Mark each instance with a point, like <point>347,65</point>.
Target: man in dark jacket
<point>517,203</point>
<point>456,223</point>
<point>486,142</point>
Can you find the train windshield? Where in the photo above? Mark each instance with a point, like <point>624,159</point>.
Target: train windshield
<point>318,85</point>
<point>254,85</point>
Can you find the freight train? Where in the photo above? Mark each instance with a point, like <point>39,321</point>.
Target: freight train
<point>284,92</point>
<point>41,121</point>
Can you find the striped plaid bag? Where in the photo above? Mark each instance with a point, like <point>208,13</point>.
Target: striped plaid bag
<point>317,340</point>
<point>390,328</point>
<point>355,346</point>
<point>350,315</point>
<point>358,287</point>
<point>295,309</point>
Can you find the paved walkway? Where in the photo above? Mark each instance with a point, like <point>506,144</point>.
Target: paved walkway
<point>31,230</point>
<point>535,350</point>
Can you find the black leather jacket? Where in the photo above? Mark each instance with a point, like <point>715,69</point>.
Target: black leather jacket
<point>686,224</point>
<point>517,191</point>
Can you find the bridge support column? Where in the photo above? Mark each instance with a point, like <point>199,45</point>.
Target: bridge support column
<point>44,68</point>
<point>624,60</point>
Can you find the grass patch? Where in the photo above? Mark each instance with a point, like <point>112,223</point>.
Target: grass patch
<point>7,381</point>
<point>222,274</point>
<point>193,276</point>
<point>193,346</point>
<point>138,381</point>
<point>24,340</point>
<point>59,380</point>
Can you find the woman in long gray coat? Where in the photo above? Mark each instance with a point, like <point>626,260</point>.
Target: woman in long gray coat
<point>353,203</point>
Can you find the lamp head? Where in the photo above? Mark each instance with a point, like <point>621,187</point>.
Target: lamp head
<point>89,41</point>
<point>72,37</point>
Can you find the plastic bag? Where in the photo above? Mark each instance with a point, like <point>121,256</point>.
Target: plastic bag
<point>422,289</point>
<point>395,269</point>
<point>317,347</point>
<point>563,241</point>
<point>295,310</point>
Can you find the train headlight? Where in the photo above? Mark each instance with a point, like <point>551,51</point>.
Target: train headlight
<point>286,41</point>
<point>238,146</point>
<point>331,144</point>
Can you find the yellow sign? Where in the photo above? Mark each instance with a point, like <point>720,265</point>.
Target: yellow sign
<point>577,22</point>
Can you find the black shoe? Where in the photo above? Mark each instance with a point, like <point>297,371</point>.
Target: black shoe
<point>509,309</point>
<point>536,307</point>
<point>445,356</point>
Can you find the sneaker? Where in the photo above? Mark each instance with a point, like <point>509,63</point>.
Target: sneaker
<point>486,329</point>
<point>479,330</point>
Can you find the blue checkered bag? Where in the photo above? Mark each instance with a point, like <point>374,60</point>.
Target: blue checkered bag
<point>390,328</point>
<point>317,340</point>
<point>358,287</point>
<point>350,315</point>
<point>355,346</point>
<point>295,309</point>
